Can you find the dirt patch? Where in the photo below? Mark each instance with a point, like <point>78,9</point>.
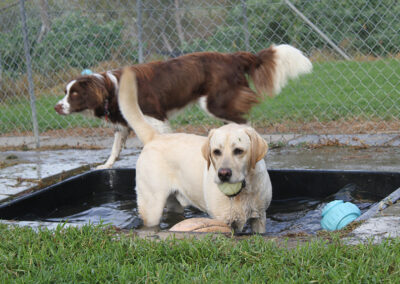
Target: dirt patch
<point>68,132</point>
<point>335,143</point>
<point>343,126</point>
<point>6,164</point>
<point>25,147</point>
<point>341,233</point>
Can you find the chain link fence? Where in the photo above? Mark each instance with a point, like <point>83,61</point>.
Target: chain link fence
<point>354,47</point>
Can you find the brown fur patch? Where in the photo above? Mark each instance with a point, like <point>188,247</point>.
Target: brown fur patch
<point>264,74</point>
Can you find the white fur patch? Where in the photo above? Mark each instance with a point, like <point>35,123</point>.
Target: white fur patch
<point>290,63</point>
<point>98,76</point>
<point>113,79</point>
<point>65,106</point>
<point>69,86</point>
<point>203,105</point>
<point>160,126</point>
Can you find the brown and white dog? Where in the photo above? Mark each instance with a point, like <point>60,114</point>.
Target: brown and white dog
<point>217,81</point>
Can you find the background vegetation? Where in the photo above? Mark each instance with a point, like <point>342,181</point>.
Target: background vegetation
<point>77,39</point>
<point>68,36</point>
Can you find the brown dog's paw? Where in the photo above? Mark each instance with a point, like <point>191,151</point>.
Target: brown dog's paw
<point>201,225</point>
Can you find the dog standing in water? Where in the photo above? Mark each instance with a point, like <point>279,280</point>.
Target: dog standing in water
<point>223,174</point>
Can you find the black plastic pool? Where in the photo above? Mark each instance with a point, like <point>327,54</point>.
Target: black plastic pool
<point>108,196</point>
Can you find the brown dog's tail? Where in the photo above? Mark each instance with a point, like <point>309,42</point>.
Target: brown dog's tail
<point>278,64</point>
<point>129,106</point>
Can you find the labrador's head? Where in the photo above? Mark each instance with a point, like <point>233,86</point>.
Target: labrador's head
<point>233,150</point>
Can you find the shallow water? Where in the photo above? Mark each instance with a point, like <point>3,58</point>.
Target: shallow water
<point>303,214</point>
<point>285,216</point>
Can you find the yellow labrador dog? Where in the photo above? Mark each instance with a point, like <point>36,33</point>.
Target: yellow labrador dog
<point>198,170</point>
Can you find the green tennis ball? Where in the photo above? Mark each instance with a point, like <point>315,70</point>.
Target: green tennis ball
<point>230,188</point>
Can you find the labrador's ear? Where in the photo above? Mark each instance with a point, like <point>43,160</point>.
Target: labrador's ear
<point>258,147</point>
<point>206,150</point>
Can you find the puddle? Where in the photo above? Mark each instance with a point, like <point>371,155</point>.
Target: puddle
<point>119,208</point>
<point>20,171</point>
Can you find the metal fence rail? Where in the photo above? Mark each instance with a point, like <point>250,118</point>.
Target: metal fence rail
<point>354,46</point>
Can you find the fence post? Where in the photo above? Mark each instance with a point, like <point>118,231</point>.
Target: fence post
<point>245,25</point>
<point>1,75</point>
<point>315,28</point>
<point>29,72</point>
<point>140,29</point>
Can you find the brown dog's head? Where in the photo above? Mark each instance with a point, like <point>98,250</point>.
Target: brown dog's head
<point>234,151</point>
<point>84,93</point>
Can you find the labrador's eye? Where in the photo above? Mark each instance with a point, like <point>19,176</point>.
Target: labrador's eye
<point>217,152</point>
<point>237,151</point>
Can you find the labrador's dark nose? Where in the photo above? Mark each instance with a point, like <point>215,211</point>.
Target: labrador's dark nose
<point>224,174</point>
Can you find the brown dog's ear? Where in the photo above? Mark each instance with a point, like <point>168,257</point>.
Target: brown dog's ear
<point>258,147</point>
<point>93,90</point>
<point>206,149</point>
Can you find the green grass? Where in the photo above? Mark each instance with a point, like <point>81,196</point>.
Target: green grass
<point>338,90</point>
<point>335,90</point>
<point>95,255</point>
<point>16,115</point>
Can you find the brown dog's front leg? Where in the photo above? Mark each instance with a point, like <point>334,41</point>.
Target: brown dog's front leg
<point>120,136</point>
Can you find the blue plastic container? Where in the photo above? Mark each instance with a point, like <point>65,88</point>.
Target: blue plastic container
<point>337,215</point>
<point>86,72</point>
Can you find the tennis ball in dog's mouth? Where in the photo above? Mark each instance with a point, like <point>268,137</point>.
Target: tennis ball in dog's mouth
<point>230,188</point>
